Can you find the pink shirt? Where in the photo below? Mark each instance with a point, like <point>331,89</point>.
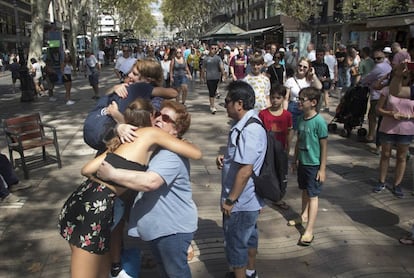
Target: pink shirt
<point>390,125</point>
<point>400,57</point>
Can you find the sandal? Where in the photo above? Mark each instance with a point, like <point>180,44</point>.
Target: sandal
<point>407,240</point>
<point>296,221</point>
<point>306,241</point>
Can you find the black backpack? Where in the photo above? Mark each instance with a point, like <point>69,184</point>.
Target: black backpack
<point>271,183</point>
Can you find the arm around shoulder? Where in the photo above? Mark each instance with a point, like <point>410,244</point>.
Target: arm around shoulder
<point>172,143</point>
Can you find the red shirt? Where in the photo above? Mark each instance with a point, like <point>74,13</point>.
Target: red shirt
<point>280,125</point>
<point>239,64</point>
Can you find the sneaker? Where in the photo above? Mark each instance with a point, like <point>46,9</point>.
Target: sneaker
<point>70,102</point>
<point>398,191</point>
<point>254,275</point>
<point>218,95</point>
<point>121,274</point>
<point>52,99</point>
<point>11,199</point>
<point>18,186</point>
<point>379,187</point>
<point>213,110</point>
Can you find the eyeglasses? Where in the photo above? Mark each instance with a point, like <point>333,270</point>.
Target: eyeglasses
<point>302,100</point>
<point>302,66</point>
<point>164,117</point>
<point>378,58</point>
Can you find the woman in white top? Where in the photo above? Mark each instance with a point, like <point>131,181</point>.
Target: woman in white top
<point>67,69</point>
<point>36,72</point>
<point>304,77</point>
<point>165,65</point>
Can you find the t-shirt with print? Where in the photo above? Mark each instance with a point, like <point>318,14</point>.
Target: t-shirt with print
<point>261,86</point>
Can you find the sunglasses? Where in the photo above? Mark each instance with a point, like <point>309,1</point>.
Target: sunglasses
<point>302,100</point>
<point>378,58</point>
<point>164,117</point>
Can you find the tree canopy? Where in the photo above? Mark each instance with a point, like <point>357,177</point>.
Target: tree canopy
<point>134,14</point>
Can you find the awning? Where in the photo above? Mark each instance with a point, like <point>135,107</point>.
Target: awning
<point>256,32</point>
<point>391,21</point>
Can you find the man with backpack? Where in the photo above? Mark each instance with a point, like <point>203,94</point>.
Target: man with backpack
<point>245,153</point>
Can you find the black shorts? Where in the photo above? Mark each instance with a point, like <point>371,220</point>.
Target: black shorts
<point>67,77</point>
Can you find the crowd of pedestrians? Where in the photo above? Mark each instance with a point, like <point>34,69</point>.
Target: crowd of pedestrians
<point>285,91</point>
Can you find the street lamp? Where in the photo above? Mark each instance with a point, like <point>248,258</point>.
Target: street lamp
<point>26,81</point>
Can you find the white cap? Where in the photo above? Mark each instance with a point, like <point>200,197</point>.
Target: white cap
<point>387,49</point>
<point>281,49</point>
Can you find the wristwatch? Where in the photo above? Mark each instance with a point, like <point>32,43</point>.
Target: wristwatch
<point>230,202</point>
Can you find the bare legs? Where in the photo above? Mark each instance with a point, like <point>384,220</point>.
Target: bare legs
<point>401,162</point>
<point>85,264</point>
<point>68,88</point>
<point>309,212</point>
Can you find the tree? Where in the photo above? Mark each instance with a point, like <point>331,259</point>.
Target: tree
<point>190,19</point>
<point>134,14</point>
<point>39,9</point>
<point>302,10</point>
<point>360,9</point>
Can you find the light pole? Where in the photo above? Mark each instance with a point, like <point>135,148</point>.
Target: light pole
<point>26,81</point>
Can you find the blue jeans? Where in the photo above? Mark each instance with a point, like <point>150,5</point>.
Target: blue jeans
<point>240,235</point>
<point>294,110</point>
<point>170,252</point>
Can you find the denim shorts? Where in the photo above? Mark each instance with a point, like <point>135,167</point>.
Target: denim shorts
<point>395,139</point>
<point>240,234</point>
<point>293,108</point>
<point>180,80</point>
<point>307,179</point>
<point>170,252</point>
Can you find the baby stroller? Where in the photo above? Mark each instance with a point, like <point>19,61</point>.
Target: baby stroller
<point>351,111</point>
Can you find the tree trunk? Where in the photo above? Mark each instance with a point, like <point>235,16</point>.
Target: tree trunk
<point>39,11</point>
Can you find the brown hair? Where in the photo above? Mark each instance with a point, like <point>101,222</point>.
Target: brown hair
<point>256,59</point>
<point>151,70</point>
<point>183,120</point>
<point>138,113</point>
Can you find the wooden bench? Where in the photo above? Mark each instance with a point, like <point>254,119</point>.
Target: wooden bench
<point>28,132</point>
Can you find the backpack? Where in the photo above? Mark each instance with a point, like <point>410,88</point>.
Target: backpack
<point>271,183</point>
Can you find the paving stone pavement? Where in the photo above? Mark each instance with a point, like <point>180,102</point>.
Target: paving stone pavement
<point>355,235</point>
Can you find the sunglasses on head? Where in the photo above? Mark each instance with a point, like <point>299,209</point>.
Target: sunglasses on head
<point>164,117</point>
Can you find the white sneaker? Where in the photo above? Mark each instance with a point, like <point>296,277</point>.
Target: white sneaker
<point>11,199</point>
<point>70,102</point>
<point>52,99</point>
<point>213,110</point>
<point>121,274</point>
